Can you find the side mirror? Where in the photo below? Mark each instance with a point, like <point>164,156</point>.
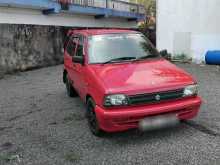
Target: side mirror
<point>164,53</point>
<point>78,59</point>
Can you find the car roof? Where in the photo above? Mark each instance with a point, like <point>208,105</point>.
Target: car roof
<point>90,32</point>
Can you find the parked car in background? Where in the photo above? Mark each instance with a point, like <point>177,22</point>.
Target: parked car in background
<point>124,81</point>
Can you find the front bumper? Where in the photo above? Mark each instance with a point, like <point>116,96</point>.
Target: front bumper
<point>121,119</point>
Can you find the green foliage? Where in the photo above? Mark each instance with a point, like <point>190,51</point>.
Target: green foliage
<point>72,157</point>
<point>8,157</point>
<point>181,58</point>
<point>150,5</point>
<point>73,117</point>
<point>148,27</point>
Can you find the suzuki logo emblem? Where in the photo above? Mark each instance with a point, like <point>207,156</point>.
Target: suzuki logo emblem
<point>157,97</point>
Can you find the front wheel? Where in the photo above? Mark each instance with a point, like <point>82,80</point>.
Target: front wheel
<point>92,119</point>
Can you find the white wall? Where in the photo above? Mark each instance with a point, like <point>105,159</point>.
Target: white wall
<point>188,26</point>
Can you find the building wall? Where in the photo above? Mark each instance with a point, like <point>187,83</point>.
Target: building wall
<point>188,26</point>
<point>24,47</point>
<point>35,17</point>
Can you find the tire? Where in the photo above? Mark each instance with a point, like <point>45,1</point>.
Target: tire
<point>92,119</point>
<point>69,88</point>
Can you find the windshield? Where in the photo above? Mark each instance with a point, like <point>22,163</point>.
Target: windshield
<point>120,47</point>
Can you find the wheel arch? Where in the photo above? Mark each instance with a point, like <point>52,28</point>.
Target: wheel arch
<point>88,96</point>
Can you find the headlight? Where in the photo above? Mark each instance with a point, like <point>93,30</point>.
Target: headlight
<point>114,100</point>
<point>190,90</point>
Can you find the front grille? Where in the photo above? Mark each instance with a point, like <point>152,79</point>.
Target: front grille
<point>155,97</point>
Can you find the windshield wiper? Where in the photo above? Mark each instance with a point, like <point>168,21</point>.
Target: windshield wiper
<point>120,59</point>
<point>146,57</point>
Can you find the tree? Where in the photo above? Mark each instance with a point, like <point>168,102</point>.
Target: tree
<point>148,27</point>
<point>150,6</point>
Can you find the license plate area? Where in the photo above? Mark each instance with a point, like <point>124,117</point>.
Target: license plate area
<point>158,122</point>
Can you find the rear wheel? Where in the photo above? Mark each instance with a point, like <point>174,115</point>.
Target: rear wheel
<point>69,88</point>
<point>92,119</point>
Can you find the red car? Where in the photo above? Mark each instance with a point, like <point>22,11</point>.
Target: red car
<point>125,82</point>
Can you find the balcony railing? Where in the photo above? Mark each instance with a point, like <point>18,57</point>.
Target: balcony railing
<point>97,8</point>
<point>109,4</point>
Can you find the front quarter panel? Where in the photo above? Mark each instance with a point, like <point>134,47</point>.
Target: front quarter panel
<point>95,87</point>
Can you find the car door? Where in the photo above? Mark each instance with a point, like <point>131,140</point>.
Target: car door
<point>79,69</point>
<point>69,53</point>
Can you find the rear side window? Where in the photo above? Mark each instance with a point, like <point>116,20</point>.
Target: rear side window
<point>75,42</point>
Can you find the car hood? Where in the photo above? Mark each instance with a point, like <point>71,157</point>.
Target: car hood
<point>142,76</point>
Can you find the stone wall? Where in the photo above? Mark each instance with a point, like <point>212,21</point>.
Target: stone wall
<point>25,47</point>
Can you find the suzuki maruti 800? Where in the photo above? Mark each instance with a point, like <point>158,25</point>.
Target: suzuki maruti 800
<point>124,81</point>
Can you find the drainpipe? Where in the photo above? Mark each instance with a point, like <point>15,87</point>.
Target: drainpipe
<point>106,1</point>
